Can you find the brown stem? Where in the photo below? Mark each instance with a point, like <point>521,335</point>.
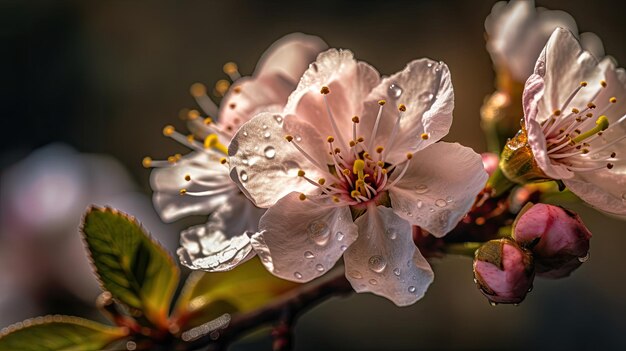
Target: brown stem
<point>284,310</point>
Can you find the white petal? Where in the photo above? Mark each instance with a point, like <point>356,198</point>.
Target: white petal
<point>593,44</point>
<point>349,82</point>
<point>425,88</point>
<point>384,259</point>
<point>563,64</point>
<point>223,242</point>
<point>439,187</point>
<point>299,240</point>
<point>168,181</point>
<point>604,189</point>
<point>538,144</point>
<point>274,78</point>
<point>265,165</point>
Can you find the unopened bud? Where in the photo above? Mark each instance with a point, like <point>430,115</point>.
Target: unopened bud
<point>503,271</point>
<point>557,237</point>
<point>517,161</point>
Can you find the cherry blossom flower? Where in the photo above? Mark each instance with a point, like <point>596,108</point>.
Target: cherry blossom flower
<point>345,174</point>
<point>517,32</point>
<point>574,113</point>
<point>199,183</point>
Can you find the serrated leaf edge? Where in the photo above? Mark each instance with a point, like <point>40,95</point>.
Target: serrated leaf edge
<point>58,318</point>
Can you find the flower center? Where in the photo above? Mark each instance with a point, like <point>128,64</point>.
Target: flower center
<point>360,172</point>
<point>576,139</point>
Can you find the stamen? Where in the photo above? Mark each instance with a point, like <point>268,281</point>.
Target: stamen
<point>290,139</point>
<point>212,142</point>
<point>409,156</point>
<point>381,103</point>
<point>325,91</point>
<point>221,87</point>
<point>396,127</point>
<point>198,91</point>
<point>231,69</point>
<point>146,162</point>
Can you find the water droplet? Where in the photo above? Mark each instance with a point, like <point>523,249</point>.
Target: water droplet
<point>426,97</point>
<point>267,135</point>
<point>245,133</point>
<point>298,138</point>
<point>244,160</point>
<point>412,289</point>
<point>373,281</point>
<point>355,274</point>
<point>584,258</point>
<point>441,203</point>
<point>431,210</point>
<point>422,188</point>
<point>264,126</point>
<point>420,204</point>
<point>340,236</point>
<point>530,289</point>
<point>475,281</point>
<point>449,199</point>
<point>391,234</point>
<point>343,247</point>
<point>493,303</point>
<point>308,254</point>
<point>298,275</point>
<point>396,271</point>
<point>377,263</point>
<point>269,152</point>
<point>319,232</point>
<point>430,65</point>
<point>243,176</point>
<point>319,267</point>
<point>278,118</point>
<point>395,90</point>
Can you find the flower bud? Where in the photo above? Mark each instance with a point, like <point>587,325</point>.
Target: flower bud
<point>557,237</point>
<point>503,271</point>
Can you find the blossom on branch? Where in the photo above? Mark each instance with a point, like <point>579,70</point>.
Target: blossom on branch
<point>343,173</point>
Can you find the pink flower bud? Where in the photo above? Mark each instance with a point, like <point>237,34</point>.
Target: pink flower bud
<point>557,237</point>
<point>490,162</point>
<point>503,271</point>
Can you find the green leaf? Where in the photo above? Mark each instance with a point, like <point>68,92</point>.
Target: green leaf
<point>133,267</point>
<point>206,296</point>
<point>59,333</point>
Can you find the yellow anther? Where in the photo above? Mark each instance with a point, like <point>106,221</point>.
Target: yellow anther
<point>613,100</point>
<point>330,139</point>
<point>401,108</point>
<point>346,172</point>
<point>190,138</point>
<point>183,191</point>
<point>337,150</point>
<point>409,156</point>
<point>301,173</point>
<point>366,155</point>
<point>591,105</point>
<point>557,112</point>
<point>424,136</point>
<point>168,130</point>
<point>380,164</point>
<point>384,171</point>
<point>603,83</point>
<point>379,149</point>
<point>585,151</point>
<point>355,119</point>
<point>178,156</point>
<point>193,114</point>
<point>335,199</point>
<point>207,121</point>
<point>325,90</point>
<point>302,197</point>
<point>223,160</point>
<point>289,138</point>
<point>197,90</point>
<point>237,90</point>
<point>352,143</point>
<point>360,139</point>
<point>602,123</point>
<point>322,181</point>
<point>230,68</point>
<point>575,110</point>
<point>171,159</point>
<point>355,193</point>
<point>213,142</point>
<point>589,114</point>
<point>583,84</point>
<point>382,102</point>
<point>221,87</point>
<point>146,162</point>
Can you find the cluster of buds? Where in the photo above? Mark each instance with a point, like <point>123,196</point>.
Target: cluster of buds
<point>548,241</point>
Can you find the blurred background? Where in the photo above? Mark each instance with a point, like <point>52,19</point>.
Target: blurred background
<point>86,88</point>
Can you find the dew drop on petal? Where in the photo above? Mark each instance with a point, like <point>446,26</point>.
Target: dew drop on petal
<point>493,303</point>
<point>412,289</point>
<point>319,232</point>
<point>319,267</point>
<point>475,281</point>
<point>355,274</point>
<point>298,138</point>
<point>373,281</point>
<point>420,204</point>
<point>377,263</point>
<point>395,90</point>
<point>243,176</point>
<point>391,234</point>
<point>298,275</point>
<point>396,271</point>
<point>269,152</point>
<point>584,258</point>
<point>426,97</point>
<point>343,247</point>
<point>340,236</point>
<point>267,135</point>
<point>449,199</point>
<point>420,189</point>
<point>530,289</point>
<point>308,254</point>
<point>278,119</point>
<point>441,203</point>
<point>264,127</point>
<point>245,133</point>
